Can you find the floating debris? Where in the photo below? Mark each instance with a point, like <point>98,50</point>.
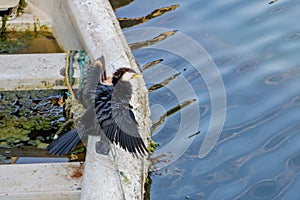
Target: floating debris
<point>194,134</point>
<point>273,1</point>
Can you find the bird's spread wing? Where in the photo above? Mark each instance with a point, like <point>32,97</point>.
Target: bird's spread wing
<point>89,84</point>
<point>117,120</point>
<point>122,129</point>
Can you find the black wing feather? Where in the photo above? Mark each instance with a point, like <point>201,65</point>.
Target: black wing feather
<point>122,129</point>
<point>89,84</point>
<point>115,117</point>
<point>64,144</point>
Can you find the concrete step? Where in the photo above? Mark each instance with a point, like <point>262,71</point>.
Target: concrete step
<point>33,71</point>
<point>46,181</point>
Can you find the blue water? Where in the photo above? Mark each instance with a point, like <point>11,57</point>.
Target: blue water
<point>241,54</point>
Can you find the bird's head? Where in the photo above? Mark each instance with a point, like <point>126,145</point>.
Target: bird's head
<point>124,74</point>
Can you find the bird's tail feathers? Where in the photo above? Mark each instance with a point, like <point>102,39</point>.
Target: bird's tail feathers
<point>64,144</point>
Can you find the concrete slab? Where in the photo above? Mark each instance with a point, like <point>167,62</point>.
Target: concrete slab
<point>101,34</point>
<point>41,181</point>
<point>6,4</point>
<point>33,71</point>
<point>32,19</point>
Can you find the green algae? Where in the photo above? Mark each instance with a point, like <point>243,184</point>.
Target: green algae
<point>14,133</point>
<point>22,5</point>
<point>152,146</point>
<point>40,40</point>
<point>12,42</point>
<point>29,117</point>
<point>3,26</point>
<point>34,142</point>
<point>4,145</point>
<point>42,145</point>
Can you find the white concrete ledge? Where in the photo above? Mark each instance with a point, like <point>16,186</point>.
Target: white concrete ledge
<point>32,19</point>
<point>33,71</point>
<point>41,181</point>
<point>101,34</point>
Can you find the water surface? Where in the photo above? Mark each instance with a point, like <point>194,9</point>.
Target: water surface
<point>255,47</point>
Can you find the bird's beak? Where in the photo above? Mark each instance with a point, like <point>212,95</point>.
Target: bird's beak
<point>137,76</point>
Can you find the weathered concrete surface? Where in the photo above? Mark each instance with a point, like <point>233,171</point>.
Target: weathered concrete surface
<point>32,19</point>
<point>33,71</point>
<point>61,24</point>
<point>4,4</point>
<point>41,181</point>
<point>100,34</point>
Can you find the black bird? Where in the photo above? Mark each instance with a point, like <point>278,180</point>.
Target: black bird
<point>108,112</point>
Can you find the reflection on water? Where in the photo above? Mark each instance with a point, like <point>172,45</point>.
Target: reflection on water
<point>255,45</point>
<point>151,64</point>
<point>163,83</point>
<point>280,77</point>
<point>129,22</point>
<point>119,3</point>
<point>142,44</point>
<point>177,108</point>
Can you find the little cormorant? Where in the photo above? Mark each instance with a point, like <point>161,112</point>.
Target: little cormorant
<point>107,106</point>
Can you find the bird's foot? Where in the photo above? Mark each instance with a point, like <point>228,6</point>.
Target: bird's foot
<point>102,147</point>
